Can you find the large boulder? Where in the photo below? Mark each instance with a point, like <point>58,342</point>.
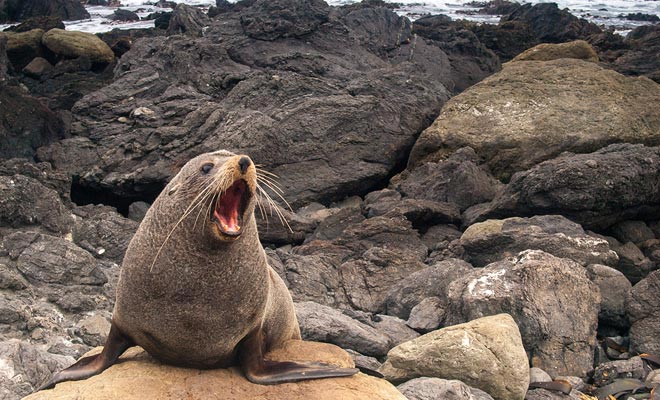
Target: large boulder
<point>598,189</point>
<point>614,290</point>
<point>348,95</point>
<point>436,388</point>
<point>493,240</point>
<point>539,291</point>
<point>642,306</point>
<point>270,20</point>
<point>139,374</point>
<point>73,44</point>
<point>68,10</point>
<point>642,53</point>
<point>187,20</point>
<point>486,353</point>
<point>578,49</point>
<point>22,47</point>
<point>533,111</point>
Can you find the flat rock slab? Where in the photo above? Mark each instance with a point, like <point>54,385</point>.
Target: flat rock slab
<point>138,374</point>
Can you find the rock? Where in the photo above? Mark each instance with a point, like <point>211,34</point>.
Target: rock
<point>457,179</point>
<point>334,224</point>
<point>549,24</point>
<point>486,353</point>
<point>51,260</point>
<point>45,23</point>
<point>512,110</point>
<point>614,289</point>
<point>121,14</point>
<point>641,17</point>
<point>436,388</point>
<point>138,374</point>
<point>4,60</point>
<point>497,7</point>
<point>23,47</point>
<point>26,202</point>
<point>103,232</point>
<point>642,306</point>
<point>37,68</point>
<point>257,97</point>
<point>427,315</point>
<point>641,56</point>
<point>361,361</point>
<point>270,20</point>
<point>392,327</point>
<point>494,240</point>
<point>578,49</point>
<point>430,282</point>
<point>72,44</point>
<point>187,20</point>
<point>544,394</point>
<point>632,231</point>
<point>290,228</point>
<point>137,210</point>
<point>461,46</point>
<point>609,372</point>
<point>26,366</point>
<point>506,39</point>
<point>632,262</point>
<point>94,330</point>
<point>538,375</point>
<point>161,19</point>
<point>322,323</point>
<point>596,190</point>
<point>67,10</point>
<point>419,212</point>
<point>42,172</point>
<point>538,290</point>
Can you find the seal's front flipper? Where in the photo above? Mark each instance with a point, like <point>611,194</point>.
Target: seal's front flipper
<point>115,345</point>
<point>266,372</point>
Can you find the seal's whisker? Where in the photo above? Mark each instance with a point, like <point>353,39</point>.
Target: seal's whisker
<point>274,206</point>
<point>267,184</point>
<point>263,171</point>
<point>272,184</point>
<point>259,201</point>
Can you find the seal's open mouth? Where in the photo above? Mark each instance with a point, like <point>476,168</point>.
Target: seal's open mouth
<point>230,207</point>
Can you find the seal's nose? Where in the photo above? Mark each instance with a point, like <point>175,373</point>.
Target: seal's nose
<point>244,164</point>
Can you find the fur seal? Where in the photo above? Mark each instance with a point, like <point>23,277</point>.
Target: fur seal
<point>195,287</point>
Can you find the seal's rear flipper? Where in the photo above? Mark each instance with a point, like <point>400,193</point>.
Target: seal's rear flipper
<point>266,372</point>
<point>115,345</point>
<point>274,372</point>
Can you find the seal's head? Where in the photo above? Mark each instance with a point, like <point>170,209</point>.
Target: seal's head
<point>222,185</point>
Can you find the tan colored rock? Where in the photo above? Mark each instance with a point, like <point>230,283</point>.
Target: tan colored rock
<point>486,353</point>
<point>140,377</point>
<point>578,49</point>
<point>73,44</point>
<point>532,112</point>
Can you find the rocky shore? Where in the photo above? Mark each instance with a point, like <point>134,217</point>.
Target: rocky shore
<point>475,209</point>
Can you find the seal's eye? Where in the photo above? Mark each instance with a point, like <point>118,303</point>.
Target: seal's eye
<point>206,168</point>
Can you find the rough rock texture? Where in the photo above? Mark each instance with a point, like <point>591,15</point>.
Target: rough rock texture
<point>643,304</point>
<point>614,289</point>
<point>430,282</point>
<point>578,49</point>
<point>4,61</point>
<point>72,44</point>
<point>457,179</point>
<point>46,23</point>
<point>267,20</point>
<point>492,240</point>
<point>636,232</point>
<point>103,232</point>
<point>68,10</point>
<point>539,291</point>
<point>596,190</point>
<point>139,374</point>
<point>641,55</point>
<point>486,353</point>
<point>332,115</point>
<point>530,112</point>
<point>608,372</point>
<point>187,20</point>
<point>22,47</point>
<point>436,388</point>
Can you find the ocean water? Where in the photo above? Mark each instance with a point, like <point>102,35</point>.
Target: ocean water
<point>601,12</point>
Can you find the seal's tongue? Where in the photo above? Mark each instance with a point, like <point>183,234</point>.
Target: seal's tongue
<point>227,210</point>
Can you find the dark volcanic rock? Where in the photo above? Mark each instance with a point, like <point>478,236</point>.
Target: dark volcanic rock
<point>641,17</point>
<point>345,96</point>
<point>614,289</point>
<point>461,46</point>
<point>187,20</point>
<point>643,304</point>
<point>507,39</point>
<point>270,20</point>
<point>22,47</point>
<point>598,189</point>
<point>25,123</point>
<point>549,24</point>
<point>499,7</point>
<point>25,201</point>
<point>643,58</point>
<point>103,232</point>
<point>45,23</point>
<point>124,15</point>
<point>4,60</point>
<point>538,290</point>
<point>67,10</point>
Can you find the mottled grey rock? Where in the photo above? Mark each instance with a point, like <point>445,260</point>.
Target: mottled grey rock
<point>103,232</point>
<point>325,324</point>
<point>642,306</point>
<point>428,314</point>
<point>187,20</point>
<point>334,224</point>
<point>538,375</point>
<point>137,210</point>
<point>608,372</point>
<point>595,189</point>
<point>632,231</point>
<point>486,353</point>
<point>614,289</point>
<point>362,361</point>
<point>420,212</point>
<point>270,20</point>
<point>94,330</point>
<point>436,388</point>
<point>432,281</point>
<point>456,179</point>
<point>493,240</point>
<point>632,262</point>
<point>394,328</point>
<point>538,290</point>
